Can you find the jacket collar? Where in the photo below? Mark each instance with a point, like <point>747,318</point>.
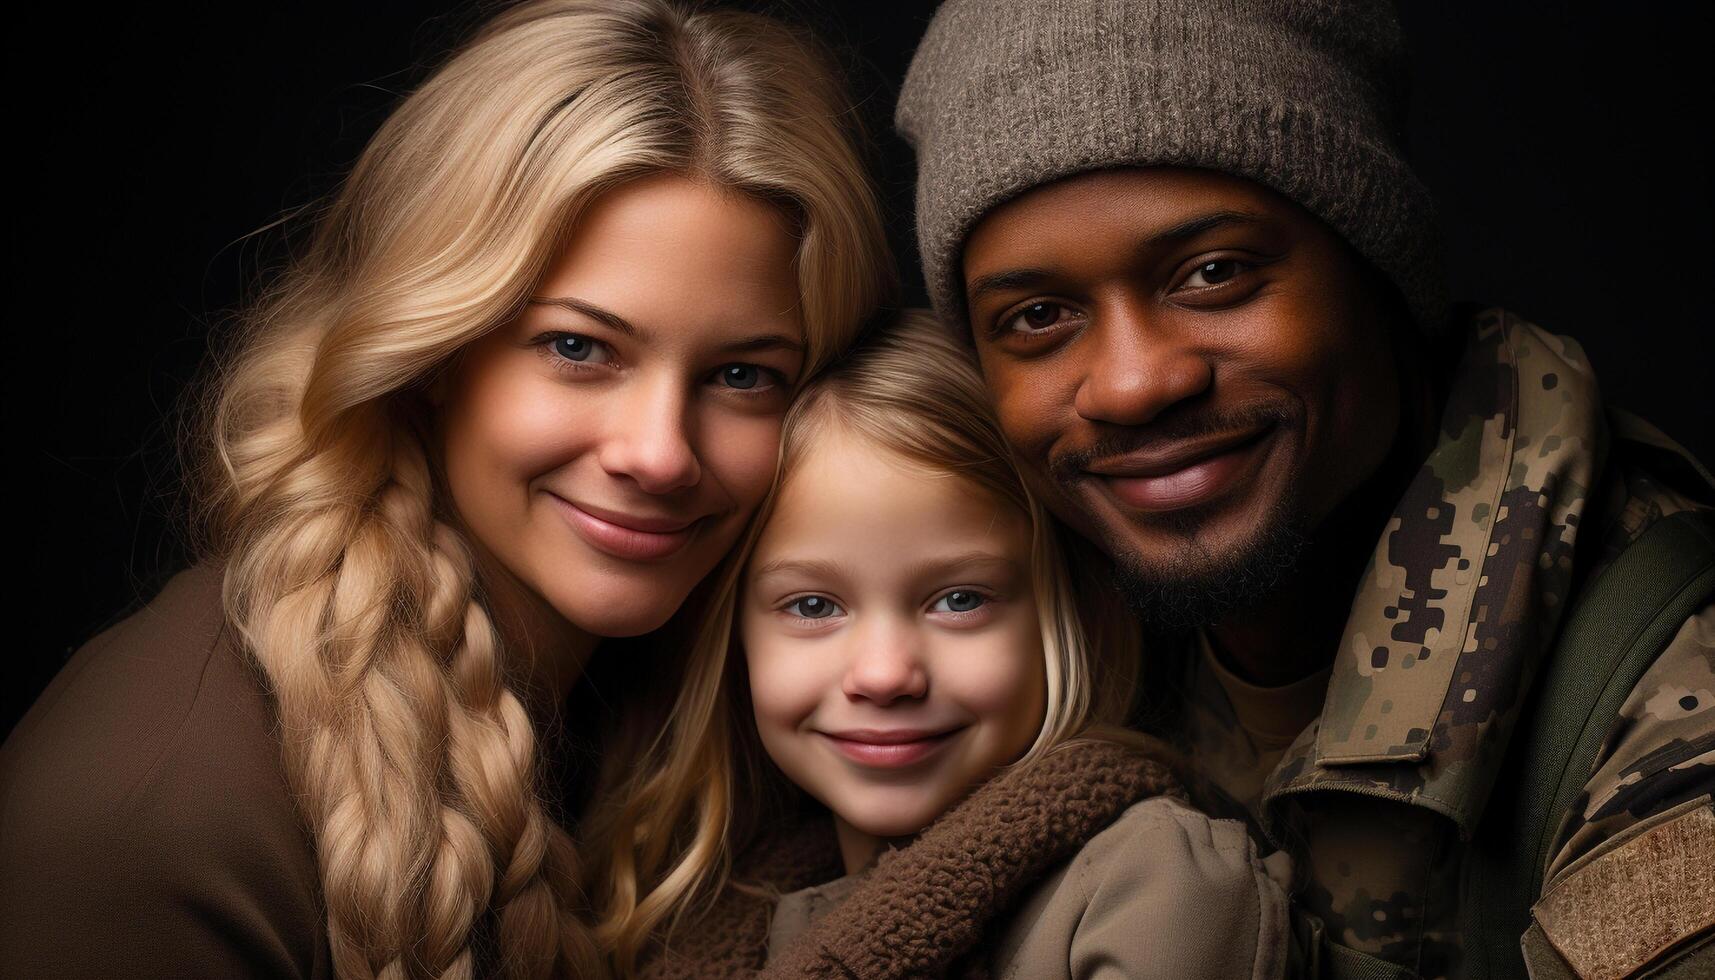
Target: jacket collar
<point>922,909</point>
<point>937,895</point>
<point>1466,586</point>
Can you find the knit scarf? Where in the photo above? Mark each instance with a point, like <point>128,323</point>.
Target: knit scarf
<point>923,910</point>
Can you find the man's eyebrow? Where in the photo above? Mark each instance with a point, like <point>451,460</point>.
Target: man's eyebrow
<point>594,312</point>
<point>1186,230</point>
<point>1011,279</point>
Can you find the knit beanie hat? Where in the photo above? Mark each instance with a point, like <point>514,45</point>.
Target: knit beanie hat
<point>1303,96</point>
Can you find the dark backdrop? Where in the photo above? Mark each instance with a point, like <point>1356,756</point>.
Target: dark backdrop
<point>1566,150</point>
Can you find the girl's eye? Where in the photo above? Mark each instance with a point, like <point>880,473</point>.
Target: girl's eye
<point>584,350</point>
<point>958,602</point>
<point>1214,273</point>
<point>1036,316</point>
<point>812,607</point>
<point>743,377</point>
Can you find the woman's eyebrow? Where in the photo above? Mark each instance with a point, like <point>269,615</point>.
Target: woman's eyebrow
<point>594,312</point>
<point>765,342</point>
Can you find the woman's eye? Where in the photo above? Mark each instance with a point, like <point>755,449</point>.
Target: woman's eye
<point>812,607</point>
<point>1036,316</point>
<point>743,377</point>
<point>584,350</point>
<point>1214,273</point>
<point>960,601</point>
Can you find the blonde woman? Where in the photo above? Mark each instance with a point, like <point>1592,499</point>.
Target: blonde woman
<point>905,714</point>
<point>521,394</point>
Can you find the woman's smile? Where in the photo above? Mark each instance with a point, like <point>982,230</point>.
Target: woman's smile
<point>628,536</point>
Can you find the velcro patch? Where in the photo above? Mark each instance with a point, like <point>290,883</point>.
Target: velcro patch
<point>1616,913</point>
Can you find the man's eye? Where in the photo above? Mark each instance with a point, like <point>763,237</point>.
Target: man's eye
<point>812,607</point>
<point>1036,316</point>
<point>584,350</point>
<point>1214,273</point>
<point>958,602</point>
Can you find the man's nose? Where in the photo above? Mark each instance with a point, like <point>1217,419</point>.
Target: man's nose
<point>1139,366</point>
<point>648,436</point>
<point>886,665</point>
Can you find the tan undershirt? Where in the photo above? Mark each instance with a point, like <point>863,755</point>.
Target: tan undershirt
<point>1270,718</point>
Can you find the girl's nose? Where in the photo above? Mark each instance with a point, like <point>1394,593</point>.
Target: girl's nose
<point>648,437</point>
<point>887,667</point>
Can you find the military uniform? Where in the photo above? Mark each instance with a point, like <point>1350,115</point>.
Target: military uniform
<point>1530,493</point>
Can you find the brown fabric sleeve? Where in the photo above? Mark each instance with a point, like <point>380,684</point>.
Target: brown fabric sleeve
<point>145,825</point>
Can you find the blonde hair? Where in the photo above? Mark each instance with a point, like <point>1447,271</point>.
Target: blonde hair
<point>412,759</point>
<point>698,794</point>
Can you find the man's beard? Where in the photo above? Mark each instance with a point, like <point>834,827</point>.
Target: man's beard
<point>1199,586</point>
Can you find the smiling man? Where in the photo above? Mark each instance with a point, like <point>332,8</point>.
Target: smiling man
<point>1436,618</point>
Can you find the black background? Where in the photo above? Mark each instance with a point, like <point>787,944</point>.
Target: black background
<point>1566,149</point>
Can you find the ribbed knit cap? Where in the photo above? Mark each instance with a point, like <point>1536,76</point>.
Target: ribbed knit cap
<point>1303,96</point>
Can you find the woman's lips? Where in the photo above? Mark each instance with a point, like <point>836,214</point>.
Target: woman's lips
<point>888,749</point>
<point>622,536</point>
<point>1176,484</point>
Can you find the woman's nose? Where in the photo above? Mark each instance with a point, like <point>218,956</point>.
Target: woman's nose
<point>886,667</point>
<point>648,437</point>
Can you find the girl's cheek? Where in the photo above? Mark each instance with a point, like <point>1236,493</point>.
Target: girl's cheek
<point>1002,672</point>
<point>786,684</point>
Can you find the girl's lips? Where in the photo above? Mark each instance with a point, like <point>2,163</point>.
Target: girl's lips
<point>621,540</point>
<point>888,751</point>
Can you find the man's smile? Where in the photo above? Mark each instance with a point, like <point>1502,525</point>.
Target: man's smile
<point>1172,476</point>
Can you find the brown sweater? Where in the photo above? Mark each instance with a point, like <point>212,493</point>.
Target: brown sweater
<point>933,908</point>
<point>146,829</point>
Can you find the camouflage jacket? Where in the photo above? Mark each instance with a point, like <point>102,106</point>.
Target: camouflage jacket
<point>1378,798</point>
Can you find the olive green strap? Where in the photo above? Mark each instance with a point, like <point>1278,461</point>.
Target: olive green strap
<point>1344,963</point>
<point>1697,962</point>
<point>1627,615</point>
<point>1634,610</point>
<point>1541,959</point>
<point>1316,957</point>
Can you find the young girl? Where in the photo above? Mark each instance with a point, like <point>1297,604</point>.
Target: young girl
<point>903,641</point>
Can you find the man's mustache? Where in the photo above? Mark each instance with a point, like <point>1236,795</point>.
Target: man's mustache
<point>1069,465</point>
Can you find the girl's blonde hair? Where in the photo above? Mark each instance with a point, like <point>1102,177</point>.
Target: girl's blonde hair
<point>412,759</point>
<point>701,788</point>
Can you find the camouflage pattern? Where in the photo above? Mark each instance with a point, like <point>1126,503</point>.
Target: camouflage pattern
<point>1661,751</point>
<point>1448,627</point>
<point>1466,586</point>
